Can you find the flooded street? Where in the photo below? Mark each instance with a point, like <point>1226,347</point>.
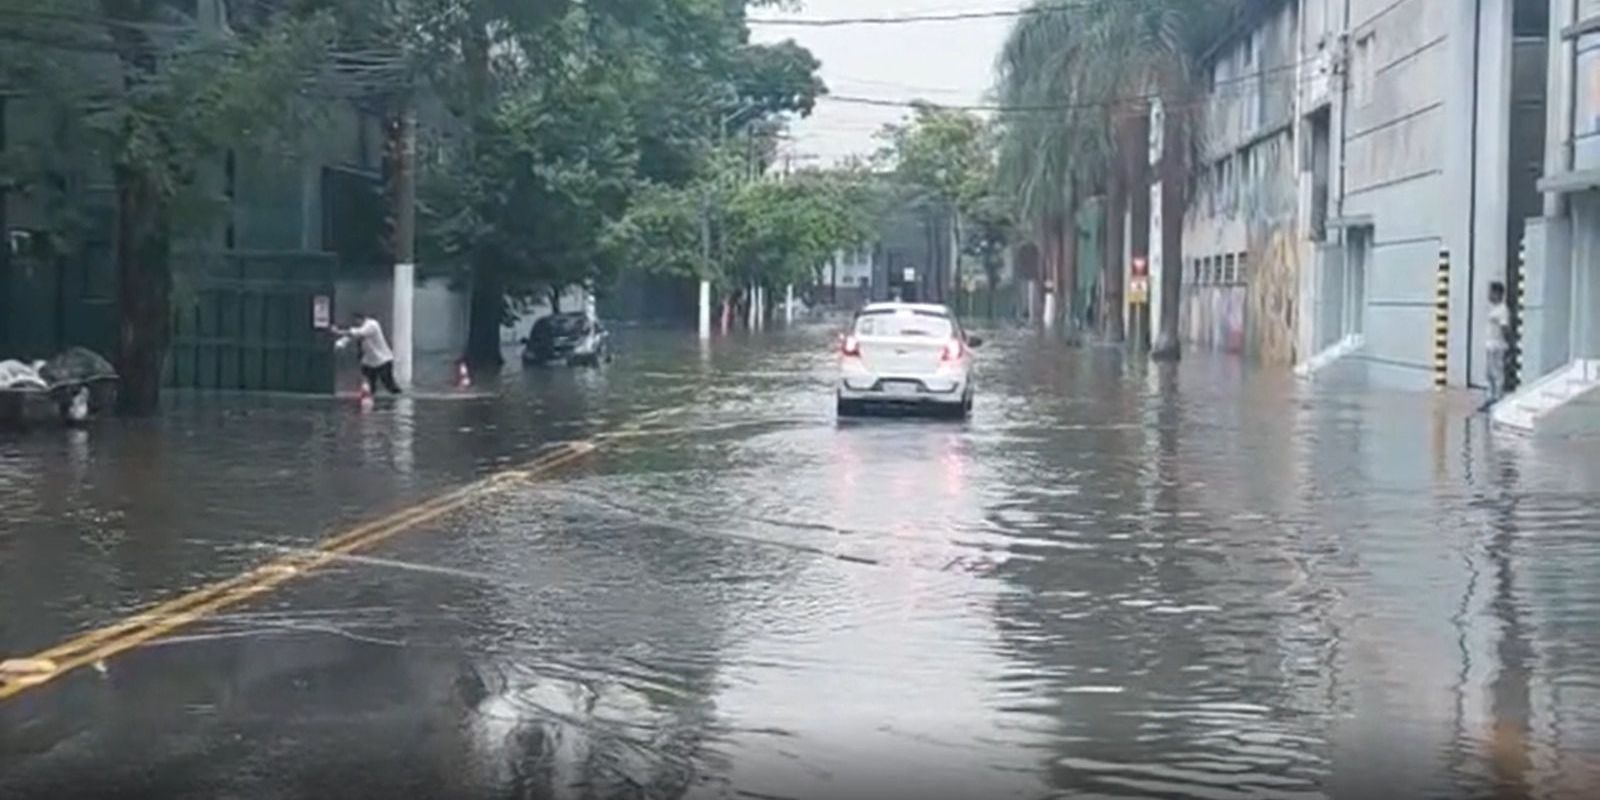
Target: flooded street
<point>1113,581</point>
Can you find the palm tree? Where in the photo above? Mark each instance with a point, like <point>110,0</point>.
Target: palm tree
<point>1096,68</point>
<point>1045,154</point>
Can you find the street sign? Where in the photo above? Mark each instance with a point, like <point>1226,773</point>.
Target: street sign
<point>909,275</point>
<point>1139,290</point>
<point>321,312</point>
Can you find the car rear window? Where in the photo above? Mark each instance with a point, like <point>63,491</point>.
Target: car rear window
<point>561,324</point>
<point>904,323</point>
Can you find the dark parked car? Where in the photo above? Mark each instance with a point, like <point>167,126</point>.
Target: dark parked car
<point>572,338</point>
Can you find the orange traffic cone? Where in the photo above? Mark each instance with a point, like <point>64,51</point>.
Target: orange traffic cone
<point>364,400</point>
<point>463,376</point>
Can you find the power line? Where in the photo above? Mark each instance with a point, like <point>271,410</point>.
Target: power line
<point>1055,107</point>
<point>953,16</point>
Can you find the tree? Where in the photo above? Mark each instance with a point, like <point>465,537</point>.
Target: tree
<point>180,95</point>
<point>1098,67</point>
<point>565,113</point>
<point>781,232</point>
<point>992,226</point>
<point>943,159</point>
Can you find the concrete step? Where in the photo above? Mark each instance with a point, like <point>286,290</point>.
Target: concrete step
<point>1526,409</point>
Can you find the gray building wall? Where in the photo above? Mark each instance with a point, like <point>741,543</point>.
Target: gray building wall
<point>1395,137</point>
<point>1563,315</point>
<point>1396,172</point>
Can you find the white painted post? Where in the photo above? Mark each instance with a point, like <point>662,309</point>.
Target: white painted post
<point>788,304</point>
<point>705,309</point>
<point>405,289</point>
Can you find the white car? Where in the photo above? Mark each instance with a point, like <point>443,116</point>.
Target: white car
<point>908,355</point>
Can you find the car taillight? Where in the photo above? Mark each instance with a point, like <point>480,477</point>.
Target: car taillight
<point>851,347</point>
<point>953,350</point>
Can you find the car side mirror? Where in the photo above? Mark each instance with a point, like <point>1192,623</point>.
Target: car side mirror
<point>974,341</point>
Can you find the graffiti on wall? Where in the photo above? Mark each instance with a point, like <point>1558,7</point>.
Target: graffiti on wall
<point>1214,316</point>
<point>1270,305</point>
<point>1244,302</point>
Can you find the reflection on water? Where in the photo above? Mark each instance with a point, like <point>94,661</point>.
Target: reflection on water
<point>1193,581</point>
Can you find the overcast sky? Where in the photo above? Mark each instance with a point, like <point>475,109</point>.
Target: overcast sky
<point>946,62</point>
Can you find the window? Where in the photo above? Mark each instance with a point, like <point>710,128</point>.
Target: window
<point>1227,269</point>
<point>905,324</point>
<point>1586,117</point>
<point>1362,71</point>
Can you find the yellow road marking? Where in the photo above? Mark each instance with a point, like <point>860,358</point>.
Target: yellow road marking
<point>159,620</point>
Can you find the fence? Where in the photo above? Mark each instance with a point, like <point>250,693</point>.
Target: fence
<point>243,320</point>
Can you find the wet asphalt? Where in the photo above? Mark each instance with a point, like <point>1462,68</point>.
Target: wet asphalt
<point>1115,580</point>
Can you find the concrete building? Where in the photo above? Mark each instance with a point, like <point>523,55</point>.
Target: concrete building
<point>1414,180</point>
<point>1242,231</point>
<point>1428,177</point>
<point>1369,167</point>
<point>847,281</point>
<point>283,228</point>
<point>1560,334</point>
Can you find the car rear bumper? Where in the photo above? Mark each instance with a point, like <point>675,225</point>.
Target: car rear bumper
<point>910,391</point>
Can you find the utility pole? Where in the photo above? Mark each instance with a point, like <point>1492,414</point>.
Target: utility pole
<point>705,258</point>
<point>404,198</point>
<point>704,306</point>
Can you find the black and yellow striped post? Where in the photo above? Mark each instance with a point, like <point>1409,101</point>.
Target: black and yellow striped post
<point>1516,290</point>
<point>1441,323</point>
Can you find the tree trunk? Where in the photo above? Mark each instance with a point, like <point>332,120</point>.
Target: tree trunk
<point>1174,183</point>
<point>487,310</point>
<point>1068,289</point>
<point>486,314</point>
<point>991,270</point>
<point>1135,149</point>
<point>1050,267</point>
<point>1111,279</point>
<point>555,300</point>
<point>958,287</point>
<point>144,291</point>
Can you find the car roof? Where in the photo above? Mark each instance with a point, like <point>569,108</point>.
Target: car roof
<point>925,308</point>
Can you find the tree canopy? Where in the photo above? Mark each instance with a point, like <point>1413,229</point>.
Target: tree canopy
<point>550,131</point>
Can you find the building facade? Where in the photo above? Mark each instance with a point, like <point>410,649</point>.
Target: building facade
<point>284,223</point>
<point>1561,295</point>
<point>848,278</point>
<point>1241,233</point>
<point>1370,167</point>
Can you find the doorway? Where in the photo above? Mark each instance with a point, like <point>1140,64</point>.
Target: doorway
<point>1353,297</point>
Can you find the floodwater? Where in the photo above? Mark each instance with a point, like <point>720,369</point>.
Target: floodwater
<point>1113,581</point>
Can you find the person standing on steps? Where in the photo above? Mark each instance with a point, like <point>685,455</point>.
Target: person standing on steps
<point>377,360</point>
<point>1497,343</point>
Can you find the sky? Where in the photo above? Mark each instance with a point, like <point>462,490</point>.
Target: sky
<point>943,62</point>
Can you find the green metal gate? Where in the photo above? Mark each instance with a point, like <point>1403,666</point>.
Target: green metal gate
<point>243,320</point>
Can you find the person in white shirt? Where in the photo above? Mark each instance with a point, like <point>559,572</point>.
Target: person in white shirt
<point>377,360</point>
<point>1497,341</point>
